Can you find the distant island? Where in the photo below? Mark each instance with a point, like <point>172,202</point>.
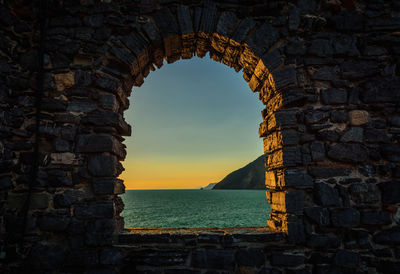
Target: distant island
<point>251,176</point>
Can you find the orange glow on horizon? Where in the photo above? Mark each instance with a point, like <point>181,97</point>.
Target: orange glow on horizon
<point>179,174</point>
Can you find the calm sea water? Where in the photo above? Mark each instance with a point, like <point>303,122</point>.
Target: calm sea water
<point>195,208</point>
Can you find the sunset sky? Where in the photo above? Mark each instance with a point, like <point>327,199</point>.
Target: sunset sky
<point>193,122</point>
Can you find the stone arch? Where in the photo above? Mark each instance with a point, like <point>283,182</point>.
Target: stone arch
<point>241,43</point>
<point>331,127</point>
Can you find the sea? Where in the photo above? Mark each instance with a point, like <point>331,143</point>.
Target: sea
<point>194,208</point>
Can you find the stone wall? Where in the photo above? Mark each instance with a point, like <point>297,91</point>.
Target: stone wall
<point>327,72</point>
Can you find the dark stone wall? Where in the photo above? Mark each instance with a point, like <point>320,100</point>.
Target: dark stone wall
<point>327,72</point>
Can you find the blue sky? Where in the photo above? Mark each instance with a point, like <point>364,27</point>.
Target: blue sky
<point>193,122</point>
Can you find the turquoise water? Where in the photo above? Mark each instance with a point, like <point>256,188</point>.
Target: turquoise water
<point>195,208</point>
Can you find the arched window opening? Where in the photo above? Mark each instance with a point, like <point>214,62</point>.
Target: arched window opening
<point>194,122</point>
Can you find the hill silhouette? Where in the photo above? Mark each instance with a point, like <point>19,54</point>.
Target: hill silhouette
<point>251,176</point>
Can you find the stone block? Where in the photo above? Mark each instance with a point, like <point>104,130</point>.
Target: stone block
<point>373,135</point>
<point>243,29</point>
<point>5,183</point>
<point>99,232</point>
<point>108,119</point>
<point>100,143</point>
<point>284,77</point>
<point>388,237</point>
<point>64,80</point>
<point>108,185</point>
<point>250,257</point>
<point>63,158</point>
<point>287,260</point>
<point>263,38</point>
<point>111,257</point>
<point>53,223</point>
<point>297,178</point>
<point>208,18</point>
<point>94,210</point>
<point>214,258</point>
<point>47,256</point>
<point>326,195</point>
<point>382,90</point>
<point>353,134</point>
<point>166,22</point>
<point>317,150</point>
<point>106,84</point>
<point>17,200</point>
<point>316,117</point>
<point>348,259</point>
<point>322,241</point>
<point>358,117</point>
<point>332,96</point>
<point>319,215</point>
<point>375,217</point>
<point>68,198</point>
<point>347,217</point>
<point>81,106</point>
<point>184,19</point>
<point>390,192</point>
<point>391,152</point>
<point>82,258</point>
<point>289,202</point>
<point>104,166</point>
<point>339,117</point>
<point>364,193</point>
<point>351,153</point>
<point>108,101</point>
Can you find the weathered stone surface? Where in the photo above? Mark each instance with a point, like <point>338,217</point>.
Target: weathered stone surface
<point>103,165</point>
<point>382,90</point>
<point>5,183</point>
<point>373,135</point>
<point>297,178</point>
<point>285,76</point>
<point>323,241</point>
<point>108,119</point>
<point>339,117</point>
<point>333,96</point>
<point>364,193</point>
<point>375,217</point>
<point>64,81</point>
<point>286,260</point>
<point>353,134</point>
<point>108,185</point>
<point>346,258</point>
<point>53,223</point>
<point>263,38</point>
<point>346,217</point>
<point>390,192</point>
<point>111,257</point>
<point>47,256</point>
<point>94,210</point>
<point>38,200</point>
<point>213,258</point>
<point>100,143</point>
<point>358,117</point>
<point>243,29</point>
<point>250,257</point>
<point>81,106</point>
<point>99,232</point>
<point>328,171</point>
<point>318,215</point>
<point>184,19</point>
<point>317,150</point>
<point>326,195</point>
<point>353,153</point>
<point>388,237</point>
<point>391,152</point>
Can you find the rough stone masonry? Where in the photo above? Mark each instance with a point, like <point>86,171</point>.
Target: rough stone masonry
<point>327,72</point>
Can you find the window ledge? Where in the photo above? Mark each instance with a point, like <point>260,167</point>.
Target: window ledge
<point>194,236</point>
